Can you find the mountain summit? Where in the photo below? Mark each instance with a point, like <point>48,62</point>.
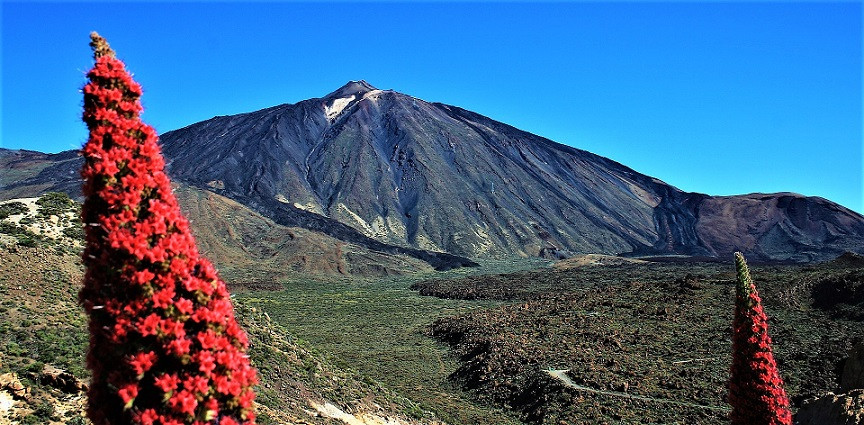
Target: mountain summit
<point>387,168</point>
<point>352,88</point>
<point>432,176</point>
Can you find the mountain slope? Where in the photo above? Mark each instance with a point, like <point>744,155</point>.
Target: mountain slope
<point>374,167</point>
<point>438,177</point>
<point>233,232</point>
<point>239,240</point>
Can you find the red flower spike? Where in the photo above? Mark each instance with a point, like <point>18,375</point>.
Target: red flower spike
<point>163,338</point>
<point>755,387</point>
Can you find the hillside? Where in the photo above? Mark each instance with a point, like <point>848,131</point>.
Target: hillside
<point>44,336</point>
<point>399,175</point>
<point>642,343</point>
<point>239,239</point>
<point>242,240</point>
<point>438,177</point>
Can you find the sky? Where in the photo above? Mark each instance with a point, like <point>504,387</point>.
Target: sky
<point>720,98</point>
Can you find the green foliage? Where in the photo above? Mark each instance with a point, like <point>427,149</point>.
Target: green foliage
<point>24,237</point>
<point>28,240</point>
<point>55,203</point>
<point>375,327</point>
<point>11,229</point>
<point>36,367</point>
<point>76,231</point>
<point>77,420</point>
<point>32,420</point>
<point>12,208</point>
<point>43,413</point>
<point>265,419</point>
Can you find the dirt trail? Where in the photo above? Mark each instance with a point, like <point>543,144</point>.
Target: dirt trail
<point>561,375</point>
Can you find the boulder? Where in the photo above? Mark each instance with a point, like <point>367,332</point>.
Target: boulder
<point>10,382</point>
<point>61,379</point>
<point>832,409</point>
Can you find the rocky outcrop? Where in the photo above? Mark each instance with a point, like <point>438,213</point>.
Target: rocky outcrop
<point>61,379</point>
<point>10,383</point>
<point>839,409</point>
<point>833,409</point>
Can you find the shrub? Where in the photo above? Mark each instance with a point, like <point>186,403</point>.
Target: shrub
<point>27,240</point>
<point>165,347</point>
<point>76,232</point>
<point>54,203</point>
<point>12,208</point>
<point>44,411</point>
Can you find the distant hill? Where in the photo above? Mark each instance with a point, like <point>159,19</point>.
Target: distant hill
<point>43,341</point>
<point>372,167</point>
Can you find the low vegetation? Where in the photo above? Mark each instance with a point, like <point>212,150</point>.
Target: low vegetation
<point>626,343</point>
<point>52,221</point>
<point>352,349</point>
<point>508,343</point>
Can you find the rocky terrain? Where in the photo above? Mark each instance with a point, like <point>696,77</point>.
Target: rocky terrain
<point>595,339</point>
<point>238,237</point>
<point>43,340</point>
<point>650,343</point>
<point>402,176</point>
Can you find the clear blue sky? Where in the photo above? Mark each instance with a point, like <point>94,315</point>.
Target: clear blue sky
<point>720,98</point>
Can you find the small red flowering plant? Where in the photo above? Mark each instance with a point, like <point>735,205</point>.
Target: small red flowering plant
<point>755,387</point>
<point>165,348</point>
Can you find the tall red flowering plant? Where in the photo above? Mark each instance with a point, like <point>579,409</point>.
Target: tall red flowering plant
<point>165,348</point>
<point>755,388</point>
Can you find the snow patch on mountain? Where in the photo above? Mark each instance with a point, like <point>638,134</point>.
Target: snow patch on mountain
<point>337,106</point>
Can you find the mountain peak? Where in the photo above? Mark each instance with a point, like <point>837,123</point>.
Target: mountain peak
<point>352,88</point>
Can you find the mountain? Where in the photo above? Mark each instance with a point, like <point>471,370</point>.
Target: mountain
<point>376,166</point>
<point>234,236</point>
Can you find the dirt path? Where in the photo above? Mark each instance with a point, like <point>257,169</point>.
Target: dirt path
<point>561,375</point>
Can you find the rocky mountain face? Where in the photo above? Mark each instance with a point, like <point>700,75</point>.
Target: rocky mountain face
<point>380,167</point>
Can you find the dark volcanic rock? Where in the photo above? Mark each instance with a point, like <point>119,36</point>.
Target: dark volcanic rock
<point>831,409</point>
<point>853,370</point>
<point>26,173</point>
<point>841,295</point>
<point>377,166</point>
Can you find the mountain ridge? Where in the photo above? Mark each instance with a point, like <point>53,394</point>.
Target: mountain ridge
<point>379,165</point>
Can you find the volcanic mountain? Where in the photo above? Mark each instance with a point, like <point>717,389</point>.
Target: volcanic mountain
<point>378,165</point>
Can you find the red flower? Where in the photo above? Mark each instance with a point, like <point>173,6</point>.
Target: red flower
<point>198,384</point>
<point>167,382</point>
<point>147,417</point>
<point>142,277</point>
<point>755,387</point>
<point>184,402</point>
<point>206,362</point>
<point>164,298</point>
<point>149,325</point>
<point>179,347</point>
<point>156,307</point>
<point>128,392</point>
<point>226,385</point>
<point>184,306</point>
<point>208,339</point>
<point>142,362</point>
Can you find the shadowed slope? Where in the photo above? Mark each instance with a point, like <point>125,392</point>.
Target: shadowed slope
<point>397,174</point>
